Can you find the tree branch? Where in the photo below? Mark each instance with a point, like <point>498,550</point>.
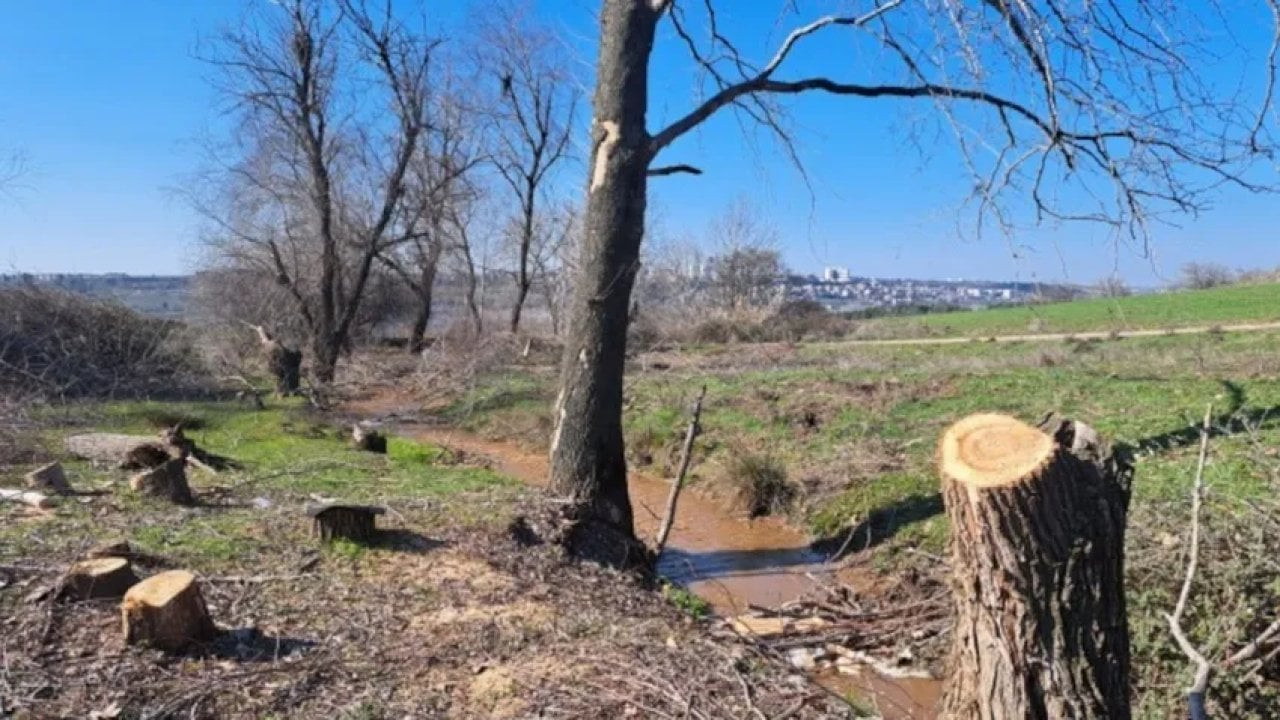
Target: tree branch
<point>673,169</point>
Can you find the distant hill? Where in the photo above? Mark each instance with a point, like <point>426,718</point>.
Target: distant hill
<point>157,295</point>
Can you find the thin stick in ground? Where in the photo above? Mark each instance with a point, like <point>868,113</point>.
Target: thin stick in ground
<point>686,453</point>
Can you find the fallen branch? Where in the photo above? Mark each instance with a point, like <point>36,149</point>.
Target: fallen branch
<point>686,453</point>
<point>1204,667</point>
<point>26,497</point>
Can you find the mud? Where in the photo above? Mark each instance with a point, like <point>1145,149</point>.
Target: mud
<point>730,561</point>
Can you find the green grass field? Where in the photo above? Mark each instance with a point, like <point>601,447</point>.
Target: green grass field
<point>856,427</point>
<point>284,459</point>
<point>1216,306</point>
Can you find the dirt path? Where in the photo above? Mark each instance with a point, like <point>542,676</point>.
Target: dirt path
<point>1059,337</point>
<point>732,562</point>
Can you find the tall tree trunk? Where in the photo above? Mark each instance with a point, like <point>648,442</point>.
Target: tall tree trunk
<point>425,292</point>
<point>324,353</point>
<point>587,461</point>
<point>522,292</point>
<point>526,244</point>
<point>418,331</point>
<point>1037,558</point>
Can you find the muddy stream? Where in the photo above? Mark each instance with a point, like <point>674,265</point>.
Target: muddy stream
<point>731,562</point>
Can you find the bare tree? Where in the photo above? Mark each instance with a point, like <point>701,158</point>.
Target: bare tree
<point>1041,96</point>
<point>552,261</point>
<point>1113,286</point>
<point>316,190</point>
<point>535,113</point>
<point>438,179</point>
<point>1202,276</point>
<point>747,265</point>
<point>463,237</point>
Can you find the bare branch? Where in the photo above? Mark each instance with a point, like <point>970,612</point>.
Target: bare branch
<point>674,169</point>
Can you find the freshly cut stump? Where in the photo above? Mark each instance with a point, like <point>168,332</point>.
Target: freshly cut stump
<point>368,439</point>
<point>50,479</point>
<point>166,611</point>
<point>1037,556</point>
<point>168,481</point>
<point>98,578</point>
<point>352,522</point>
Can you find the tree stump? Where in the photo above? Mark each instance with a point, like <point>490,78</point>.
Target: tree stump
<point>1037,555</point>
<point>368,439</point>
<point>50,479</point>
<point>98,578</point>
<point>283,362</point>
<point>166,611</point>
<point>352,522</point>
<point>168,481</point>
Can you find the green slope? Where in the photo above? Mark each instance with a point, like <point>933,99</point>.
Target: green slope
<point>1216,306</point>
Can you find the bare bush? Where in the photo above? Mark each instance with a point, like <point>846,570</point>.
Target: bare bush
<point>56,344</point>
<point>1112,286</point>
<point>1202,276</point>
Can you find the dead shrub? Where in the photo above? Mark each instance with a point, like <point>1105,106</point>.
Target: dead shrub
<point>759,481</point>
<point>58,344</point>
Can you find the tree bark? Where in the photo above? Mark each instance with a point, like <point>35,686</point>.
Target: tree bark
<point>1037,556</point>
<point>418,331</point>
<point>587,459</point>
<point>50,478</point>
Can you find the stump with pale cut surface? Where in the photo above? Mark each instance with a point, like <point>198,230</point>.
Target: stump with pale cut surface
<point>352,522</point>
<point>368,439</point>
<point>167,481</point>
<point>1037,556</point>
<point>107,577</point>
<point>50,479</point>
<point>166,611</point>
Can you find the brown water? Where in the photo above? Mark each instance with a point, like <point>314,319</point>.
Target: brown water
<point>730,561</point>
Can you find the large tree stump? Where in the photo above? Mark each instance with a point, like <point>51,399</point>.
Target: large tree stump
<point>50,479</point>
<point>168,481</point>
<point>98,578</point>
<point>1037,555</point>
<point>368,439</point>
<point>352,522</point>
<point>283,362</point>
<point>166,611</point>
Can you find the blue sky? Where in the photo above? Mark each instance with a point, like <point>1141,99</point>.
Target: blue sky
<point>107,101</point>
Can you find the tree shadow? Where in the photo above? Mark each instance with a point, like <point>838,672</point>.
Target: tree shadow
<point>684,566</point>
<point>252,645</point>
<point>879,525</point>
<point>1235,419</point>
<point>406,541</point>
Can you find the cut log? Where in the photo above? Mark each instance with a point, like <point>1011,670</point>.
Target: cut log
<point>1037,557</point>
<point>98,578</point>
<point>168,481</point>
<point>34,499</point>
<point>166,611</point>
<point>50,479</point>
<point>352,522</point>
<point>368,439</point>
<point>125,451</point>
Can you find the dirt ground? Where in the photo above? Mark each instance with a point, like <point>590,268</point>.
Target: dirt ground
<point>444,615</point>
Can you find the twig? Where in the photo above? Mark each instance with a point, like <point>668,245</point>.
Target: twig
<point>1195,693</point>
<point>686,454</point>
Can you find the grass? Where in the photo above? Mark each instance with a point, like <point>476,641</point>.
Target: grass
<point>1224,305</point>
<point>856,430</point>
<point>284,459</point>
